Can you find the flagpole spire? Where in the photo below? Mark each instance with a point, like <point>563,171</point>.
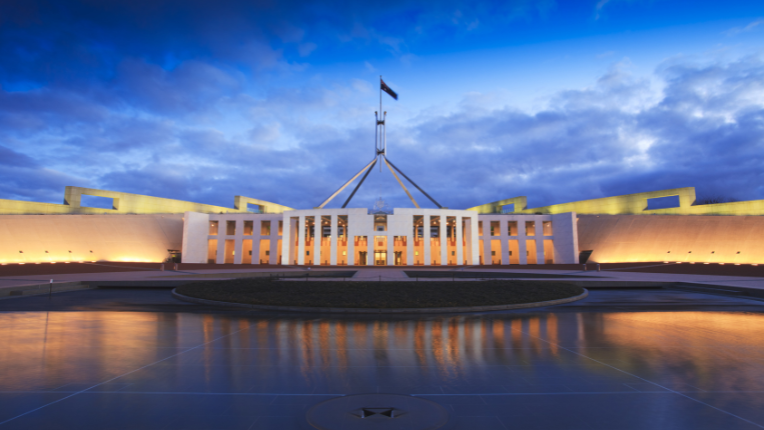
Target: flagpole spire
<point>380,120</point>
<point>380,155</point>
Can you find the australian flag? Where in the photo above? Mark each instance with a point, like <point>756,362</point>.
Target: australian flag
<point>383,86</point>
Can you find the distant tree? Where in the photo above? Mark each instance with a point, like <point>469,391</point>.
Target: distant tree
<point>711,200</point>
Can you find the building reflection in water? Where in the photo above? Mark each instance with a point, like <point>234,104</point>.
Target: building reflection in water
<point>46,350</point>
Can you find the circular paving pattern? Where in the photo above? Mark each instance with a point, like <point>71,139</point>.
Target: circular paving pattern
<point>377,411</point>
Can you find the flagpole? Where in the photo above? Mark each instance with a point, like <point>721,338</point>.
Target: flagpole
<point>381,119</point>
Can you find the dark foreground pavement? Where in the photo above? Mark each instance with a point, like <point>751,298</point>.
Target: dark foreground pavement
<point>139,359</point>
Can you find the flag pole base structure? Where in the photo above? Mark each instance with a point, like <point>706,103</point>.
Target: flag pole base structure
<point>380,154</point>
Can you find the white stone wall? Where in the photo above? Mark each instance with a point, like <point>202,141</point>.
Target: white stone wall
<point>564,237</point>
<point>195,229</point>
<point>361,223</point>
<point>72,238</point>
<point>196,236</point>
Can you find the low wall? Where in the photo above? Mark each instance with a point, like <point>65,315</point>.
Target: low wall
<point>685,238</point>
<point>61,238</point>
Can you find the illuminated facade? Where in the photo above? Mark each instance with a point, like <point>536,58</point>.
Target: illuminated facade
<point>355,237</point>
<point>506,232</point>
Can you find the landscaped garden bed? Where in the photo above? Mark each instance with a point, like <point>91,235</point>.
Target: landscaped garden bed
<point>381,295</point>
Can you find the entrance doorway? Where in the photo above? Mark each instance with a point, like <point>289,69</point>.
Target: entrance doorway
<point>361,259</point>
<point>398,258</point>
<point>380,258</point>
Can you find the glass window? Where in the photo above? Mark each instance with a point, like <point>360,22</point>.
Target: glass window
<point>435,227</point>
<point>418,226</point>
<point>547,228</point>
<point>265,228</point>
<point>230,228</point>
<point>213,228</point>
<point>495,228</point>
<point>380,222</point>
<point>512,228</point>
<point>530,229</point>
<point>248,227</point>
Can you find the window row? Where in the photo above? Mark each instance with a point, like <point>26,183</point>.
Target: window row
<point>249,227</point>
<point>512,226</point>
<point>511,253</point>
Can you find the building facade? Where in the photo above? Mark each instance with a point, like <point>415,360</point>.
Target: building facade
<point>132,227</point>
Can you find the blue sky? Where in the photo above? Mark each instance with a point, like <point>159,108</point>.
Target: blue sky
<point>558,101</point>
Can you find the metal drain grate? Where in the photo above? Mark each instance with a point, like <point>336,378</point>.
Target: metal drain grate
<point>377,411</point>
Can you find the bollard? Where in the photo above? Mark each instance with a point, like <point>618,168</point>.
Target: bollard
<point>584,267</point>
<point>175,267</point>
<point>50,289</point>
<point>598,267</point>
<point>161,267</point>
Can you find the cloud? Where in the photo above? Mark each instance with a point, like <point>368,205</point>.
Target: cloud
<point>598,8</point>
<point>306,48</point>
<point>750,27</point>
<point>703,128</point>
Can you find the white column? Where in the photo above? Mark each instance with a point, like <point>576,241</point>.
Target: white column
<point>540,241</point>
<point>504,237</point>
<point>317,237</point>
<point>274,238</point>
<point>459,246</point>
<point>475,256</point>
<point>426,229</point>
<point>221,243</point>
<point>291,235</point>
<point>333,255</point>
<point>465,251</point>
<point>351,244</point>
<point>444,241</point>
<point>256,245</point>
<point>301,241</point>
<point>521,237</point>
<point>487,257</point>
<point>370,249</point>
<point>410,248</point>
<point>238,244</point>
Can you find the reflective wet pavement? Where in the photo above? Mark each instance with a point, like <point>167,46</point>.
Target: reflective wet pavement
<point>573,368</point>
